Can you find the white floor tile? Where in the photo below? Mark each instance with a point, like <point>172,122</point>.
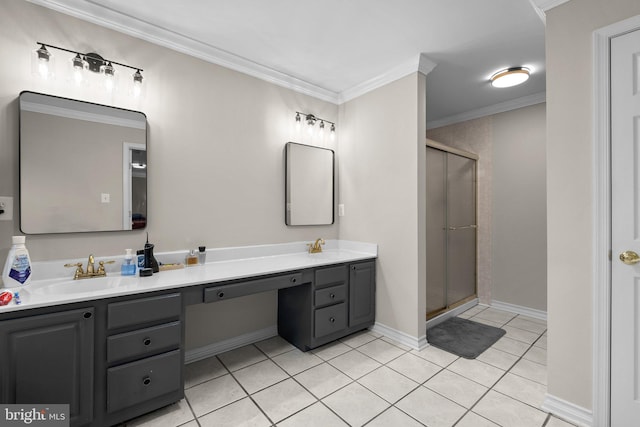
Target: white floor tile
<point>354,364</point>
<point>509,345</point>
<point>213,394</point>
<point>521,322</point>
<point>283,399</point>
<point>381,351</point>
<point>531,370</point>
<point>498,358</point>
<point>260,375</point>
<point>495,315</point>
<point>316,415</point>
<point>295,361</point>
<point>393,417</point>
<point>520,334</point>
<point>169,416</point>
<point>536,354</point>
<point>471,419</point>
<point>388,384</point>
<point>487,322</point>
<point>522,389</point>
<point>355,404</point>
<point>421,404</point>
<point>243,413</point>
<point>322,380</point>
<point>457,388</point>
<point>203,370</point>
<point>358,339</point>
<point>557,422</point>
<point>274,346</point>
<point>241,357</point>
<point>435,355</point>
<point>331,350</point>
<point>396,343</point>
<point>542,342</point>
<point>506,411</point>
<point>477,371</point>
<point>414,367</point>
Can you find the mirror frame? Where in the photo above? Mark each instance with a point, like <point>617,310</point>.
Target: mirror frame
<point>289,178</point>
<point>21,168</point>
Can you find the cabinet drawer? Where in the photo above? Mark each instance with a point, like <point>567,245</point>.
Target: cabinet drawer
<point>331,276</point>
<point>219,293</point>
<point>330,295</point>
<point>136,382</point>
<point>144,310</point>
<point>330,319</point>
<point>143,342</point>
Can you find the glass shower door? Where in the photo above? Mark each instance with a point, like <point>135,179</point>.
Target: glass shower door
<point>451,230</point>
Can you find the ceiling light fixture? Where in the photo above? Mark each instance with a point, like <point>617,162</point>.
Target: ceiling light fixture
<point>510,77</point>
<point>311,120</point>
<point>42,65</point>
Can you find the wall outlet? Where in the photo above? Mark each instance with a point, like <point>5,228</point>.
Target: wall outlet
<point>6,205</point>
<point>341,210</point>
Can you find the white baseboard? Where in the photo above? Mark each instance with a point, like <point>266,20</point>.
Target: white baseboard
<point>401,337</point>
<point>230,344</point>
<point>519,309</point>
<point>568,411</point>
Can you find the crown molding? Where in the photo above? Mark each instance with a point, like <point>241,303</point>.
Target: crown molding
<point>105,17</point>
<point>514,104</point>
<point>541,7</point>
<point>420,63</point>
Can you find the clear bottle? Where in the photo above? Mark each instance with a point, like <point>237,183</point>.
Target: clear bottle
<point>17,269</point>
<point>128,267</point>
<point>202,255</point>
<point>191,259</point>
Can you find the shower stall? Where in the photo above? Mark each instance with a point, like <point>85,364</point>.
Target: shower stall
<point>451,227</point>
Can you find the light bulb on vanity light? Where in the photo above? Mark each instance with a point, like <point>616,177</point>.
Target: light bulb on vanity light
<point>42,62</point>
<point>109,76</point>
<point>78,65</point>
<point>137,83</point>
<point>332,132</point>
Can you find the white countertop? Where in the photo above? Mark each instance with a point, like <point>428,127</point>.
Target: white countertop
<point>53,284</point>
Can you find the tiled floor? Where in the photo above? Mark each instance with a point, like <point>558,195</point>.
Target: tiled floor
<point>367,379</point>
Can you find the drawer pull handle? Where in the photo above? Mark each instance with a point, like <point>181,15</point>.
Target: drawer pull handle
<point>332,296</point>
<point>146,380</point>
<point>87,315</point>
<point>332,319</point>
<point>220,294</point>
<point>293,280</point>
<point>146,341</point>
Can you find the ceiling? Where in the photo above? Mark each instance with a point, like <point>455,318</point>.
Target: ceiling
<point>337,49</point>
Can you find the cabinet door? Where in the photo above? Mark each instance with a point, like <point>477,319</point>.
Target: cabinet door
<point>49,359</point>
<point>362,293</point>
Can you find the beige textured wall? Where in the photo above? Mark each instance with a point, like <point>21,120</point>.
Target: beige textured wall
<point>475,136</point>
<point>216,159</point>
<point>381,156</point>
<point>519,215</point>
<point>569,187</point>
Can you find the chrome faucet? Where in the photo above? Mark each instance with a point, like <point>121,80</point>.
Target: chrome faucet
<point>91,272</point>
<point>316,247</point>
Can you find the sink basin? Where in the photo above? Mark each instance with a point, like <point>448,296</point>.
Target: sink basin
<point>69,287</point>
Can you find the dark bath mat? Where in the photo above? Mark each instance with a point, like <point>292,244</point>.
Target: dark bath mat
<point>463,337</point>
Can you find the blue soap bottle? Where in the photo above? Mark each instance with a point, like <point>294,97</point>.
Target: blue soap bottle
<point>128,266</point>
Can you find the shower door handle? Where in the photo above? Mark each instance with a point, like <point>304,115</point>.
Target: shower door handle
<point>462,227</point>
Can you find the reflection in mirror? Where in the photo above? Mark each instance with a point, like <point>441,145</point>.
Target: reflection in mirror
<point>83,166</point>
<point>309,185</point>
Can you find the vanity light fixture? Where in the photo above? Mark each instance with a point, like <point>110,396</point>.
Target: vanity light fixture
<point>42,65</point>
<point>510,77</point>
<point>311,120</point>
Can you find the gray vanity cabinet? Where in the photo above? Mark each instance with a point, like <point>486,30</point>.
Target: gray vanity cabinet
<point>339,301</point>
<point>48,359</point>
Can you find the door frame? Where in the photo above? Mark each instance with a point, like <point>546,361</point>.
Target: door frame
<point>601,185</point>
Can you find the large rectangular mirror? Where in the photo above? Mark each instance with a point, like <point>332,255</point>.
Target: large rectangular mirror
<point>83,166</point>
<point>309,185</point>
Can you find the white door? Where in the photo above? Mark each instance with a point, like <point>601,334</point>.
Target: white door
<point>625,233</point>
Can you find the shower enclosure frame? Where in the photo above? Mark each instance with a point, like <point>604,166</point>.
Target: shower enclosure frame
<point>448,306</point>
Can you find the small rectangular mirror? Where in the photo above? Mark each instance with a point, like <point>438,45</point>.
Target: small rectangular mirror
<point>83,166</point>
<point>309,185</point>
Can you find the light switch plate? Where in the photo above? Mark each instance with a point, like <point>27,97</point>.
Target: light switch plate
<point>341,210</point>
<point>105,198</point>
<point>6,204</point>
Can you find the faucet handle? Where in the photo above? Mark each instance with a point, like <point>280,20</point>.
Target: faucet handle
<point>101,270</point>
<point>79,272</point>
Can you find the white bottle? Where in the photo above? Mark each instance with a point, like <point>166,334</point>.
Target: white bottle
<point>17,269</point>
